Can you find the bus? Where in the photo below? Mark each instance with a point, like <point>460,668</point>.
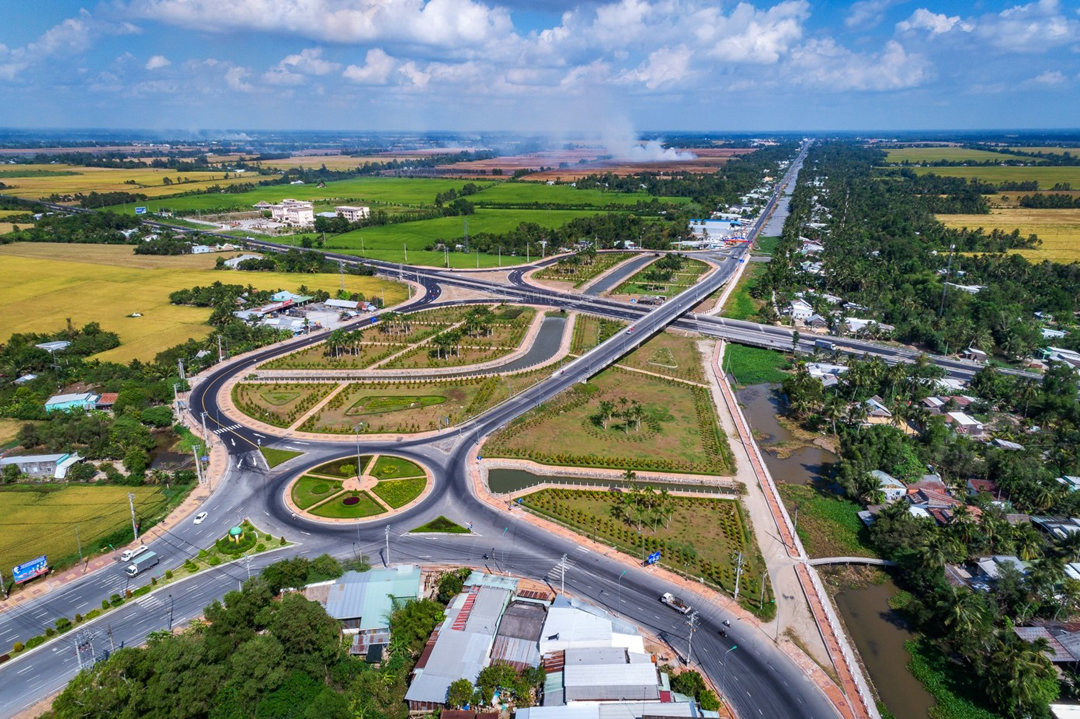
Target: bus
<point>143,562</point>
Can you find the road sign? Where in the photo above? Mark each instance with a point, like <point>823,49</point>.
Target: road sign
<point>653,558</point>
<point>140,210</point>
<point>519,500</point>
<point>29,570</point>
<point>204,458</point>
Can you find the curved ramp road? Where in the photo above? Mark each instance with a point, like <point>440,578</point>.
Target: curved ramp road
<point>758,678</point>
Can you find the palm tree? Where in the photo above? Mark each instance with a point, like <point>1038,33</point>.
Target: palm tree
<point>964,611</point>
<point>832,410</point>
<point>1069,546</point>
<point>1017,672</point>
<point>606,410</point>
<point>1028,542</point>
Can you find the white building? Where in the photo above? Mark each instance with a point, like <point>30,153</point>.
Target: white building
<point>201,249</point>
<point>964,423</point>
<point>800,310</point>
<point>290,212</point>
<point>890,486</point>
<point>232,262</point>
<point>352,213</point>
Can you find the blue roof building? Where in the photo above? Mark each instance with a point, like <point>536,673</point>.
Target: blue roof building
<point>67,402</point>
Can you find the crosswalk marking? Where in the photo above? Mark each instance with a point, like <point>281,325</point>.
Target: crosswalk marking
<point>555,573</point>
<point>230,428</point>
<point>149,602</point>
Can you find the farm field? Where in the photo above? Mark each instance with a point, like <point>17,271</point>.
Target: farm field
<point>690,273</point>
<point>1047,177</point>
<point>1048,150</point>
<point>332,162</point>
<point>412,192</point>
<point>701,536</point>
<point>678,430</point>
<point>6,227</point>
<point>41,519</point>
<point>387,241</point>
<point>39,181</point>
<point>952,154</point>
<point>49,290</point>
<point>579,274</point>
<point>1059,230</point>
<point>530,192</point>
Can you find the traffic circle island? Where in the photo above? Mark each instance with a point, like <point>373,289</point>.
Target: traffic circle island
<point>358,488</point>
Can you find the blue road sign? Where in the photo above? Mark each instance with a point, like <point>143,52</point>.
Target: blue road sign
<point>140,210</point>
<point>29,570</point>
<point>519,500</point>
<point>653,558</point>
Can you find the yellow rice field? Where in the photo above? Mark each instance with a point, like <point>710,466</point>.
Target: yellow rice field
<point>1059,230</point>
<point>44,284</point>
<point>149,181</point>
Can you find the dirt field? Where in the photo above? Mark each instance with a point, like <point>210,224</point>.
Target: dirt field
<point>96,283</point>
<point>708,160</point>
<point>35,183</point>
<point>1059,230</point>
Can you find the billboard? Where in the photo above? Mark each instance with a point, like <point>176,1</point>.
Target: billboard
<point>29,570</point>
<point>140,210</point>
<point>653,558</point>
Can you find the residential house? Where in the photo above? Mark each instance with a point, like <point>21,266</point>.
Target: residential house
<point>800,310</point>
<point>1070,481</point>
<point>201,249</point>
<point>1049,334</point>
<point>233,262</point>
<point>290,212</point>
<point>67,402</point>
<point>23,379</point>
<point>48,466</point>
<point>970,289</point>
<point>890,486</point>
<point>106,400</point>
<point>857,326</point>
<point>876,408</point>
<point>965,424</point>
<point>53,347</point>
<point>1007,445</point>
<point>977,486</point>
<point>817,322</point>
<point>990,567</point>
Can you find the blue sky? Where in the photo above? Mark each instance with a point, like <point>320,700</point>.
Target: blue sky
<point>529,65</point>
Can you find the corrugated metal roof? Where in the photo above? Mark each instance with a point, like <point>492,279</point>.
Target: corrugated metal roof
<point>369,596</point>
<point>611,692</point>
<point>595,655</point>
<point>584,675</point>
<point>518,652</point>
<point>456,655</point>
<point>523,620</point>
<point>486,610</point>
<point>626,710</point>
<point>581,711</point>
<point>482,579</point>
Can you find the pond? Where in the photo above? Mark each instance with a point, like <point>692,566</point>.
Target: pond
<point>762,405</point>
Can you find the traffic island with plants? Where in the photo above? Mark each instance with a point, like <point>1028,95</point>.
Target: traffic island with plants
<point>278,404</point>
<point>670,354</point>
<point>696,536</point>
<point>274,457</point>
<point>590,331</point>
<point>440,525</point>
<point>482,336</point>
<point>405,406</point>
<point>338,490</point>
<point>666,277</point>
<point>581,267</point>
<point>621,420</point>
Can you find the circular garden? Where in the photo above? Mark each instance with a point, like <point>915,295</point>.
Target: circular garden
<point>357,488</point>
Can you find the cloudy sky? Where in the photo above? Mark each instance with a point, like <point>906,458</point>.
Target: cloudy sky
<point>540,64</point>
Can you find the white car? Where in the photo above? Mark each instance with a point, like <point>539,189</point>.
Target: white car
<point>200,517</point>
<point>128,554</point>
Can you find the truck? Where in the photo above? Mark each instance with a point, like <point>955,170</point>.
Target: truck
<point>675,603</point>
<point>143,562</point>
<point>825,345</point>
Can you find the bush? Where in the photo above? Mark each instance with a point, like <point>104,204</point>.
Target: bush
<point>35,641</point>
<point>708,700</point>
<point>267,537</point>
<point>95,613</point>
<point>203,554</point>
<point>283,541</point>
<point>49,632</point>
<point>214,561</point>
<point>78,617</point>
<point>105,603</point>
<point>260,547</point>
<point>127,594</point>
<point>141,591</point>
<point>17,648</point>
<point>168,574</point>
<point>116,600</point>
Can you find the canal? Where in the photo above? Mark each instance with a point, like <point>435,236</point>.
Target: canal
<point>877,630</point>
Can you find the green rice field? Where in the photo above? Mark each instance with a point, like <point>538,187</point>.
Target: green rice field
<point>1047,177</point>
<point>952,154</point>
<point>530,192</point>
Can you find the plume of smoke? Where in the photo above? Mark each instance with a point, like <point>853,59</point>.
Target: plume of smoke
<point>622,143</point>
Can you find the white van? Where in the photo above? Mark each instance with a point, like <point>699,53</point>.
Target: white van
<point>130,554</point>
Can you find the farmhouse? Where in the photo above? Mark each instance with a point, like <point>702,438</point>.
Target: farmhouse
<point>232,262</point>
<point>890,486</point>
<point>800,310</point>
<point>67,402</point>
<point>353,213</point>
<point>53,466</point>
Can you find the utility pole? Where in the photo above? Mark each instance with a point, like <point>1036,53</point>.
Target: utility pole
<point>692,621</point>
<point>341,271</point>
<point>112,643</point>
<point>477,258</point>
<point>78,543</point>
<point>3,584</point>
<point>944,286</point>
<point>180,366</point>
<point>406,246</point>
<point>170,612</point>
<point>527,260</point>
<point>761,600</point>
<point>466,234</point>
<point>205,434</point>
<point>738,576</point>
<point>134,524</point>
<point>563,564</point>
<point>387,528</point>
<point>220,357</point>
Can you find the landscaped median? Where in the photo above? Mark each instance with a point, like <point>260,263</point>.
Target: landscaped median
<point>229,548</point>
<point>357,488</point>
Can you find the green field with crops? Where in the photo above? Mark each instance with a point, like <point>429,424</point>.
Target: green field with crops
<point>42,519</point>
<point>1047,177</point>
<point>951,154</point>
<point>530,192</point>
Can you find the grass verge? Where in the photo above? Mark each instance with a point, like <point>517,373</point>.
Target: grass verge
<point>274,457</point>
<point>753,365</point>
<point>440,525</point>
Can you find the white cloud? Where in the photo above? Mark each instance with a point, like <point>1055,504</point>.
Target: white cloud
<point>72,36</point>
<point>375,70</point>
<point>417,77</point>
<point>439,23</point>
<point>1050,78</point>
<point>664,67</point>
<point>235,79</point>
<point>1032,28</point>
<point>157,61</point>
<point>293,68</point>
<point>934,23</point>
<point>867,14</point>
<point>749,35</point>
<point>831,67</point>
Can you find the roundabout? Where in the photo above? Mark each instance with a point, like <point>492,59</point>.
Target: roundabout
<point>358,488</point>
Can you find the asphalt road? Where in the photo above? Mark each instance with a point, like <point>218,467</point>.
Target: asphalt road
<point>759,679</point>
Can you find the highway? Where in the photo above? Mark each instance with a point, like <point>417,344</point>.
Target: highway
<point>759,679</point>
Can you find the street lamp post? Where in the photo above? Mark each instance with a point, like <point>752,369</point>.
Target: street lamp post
<point>723,676</point>
<point>358,427</point>
<point>620,589</point>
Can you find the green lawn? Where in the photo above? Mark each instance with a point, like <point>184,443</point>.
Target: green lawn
<point>334,469</point>
<point>535,192</point>
<point>579,274</point>
<point>440,525</point>
<point>399,492</point>
<point>829,525</point>
<point>956,692</point>
<point>1047,177</point>
<point>337,509</point>
<point>690,273</point>
<point>309,490</point>
<point>382,405</point>
<point>766,245</point>
<point>274,457</point>
<point>740,305</point>
<point>389,467</point>
<point>753,365</point>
